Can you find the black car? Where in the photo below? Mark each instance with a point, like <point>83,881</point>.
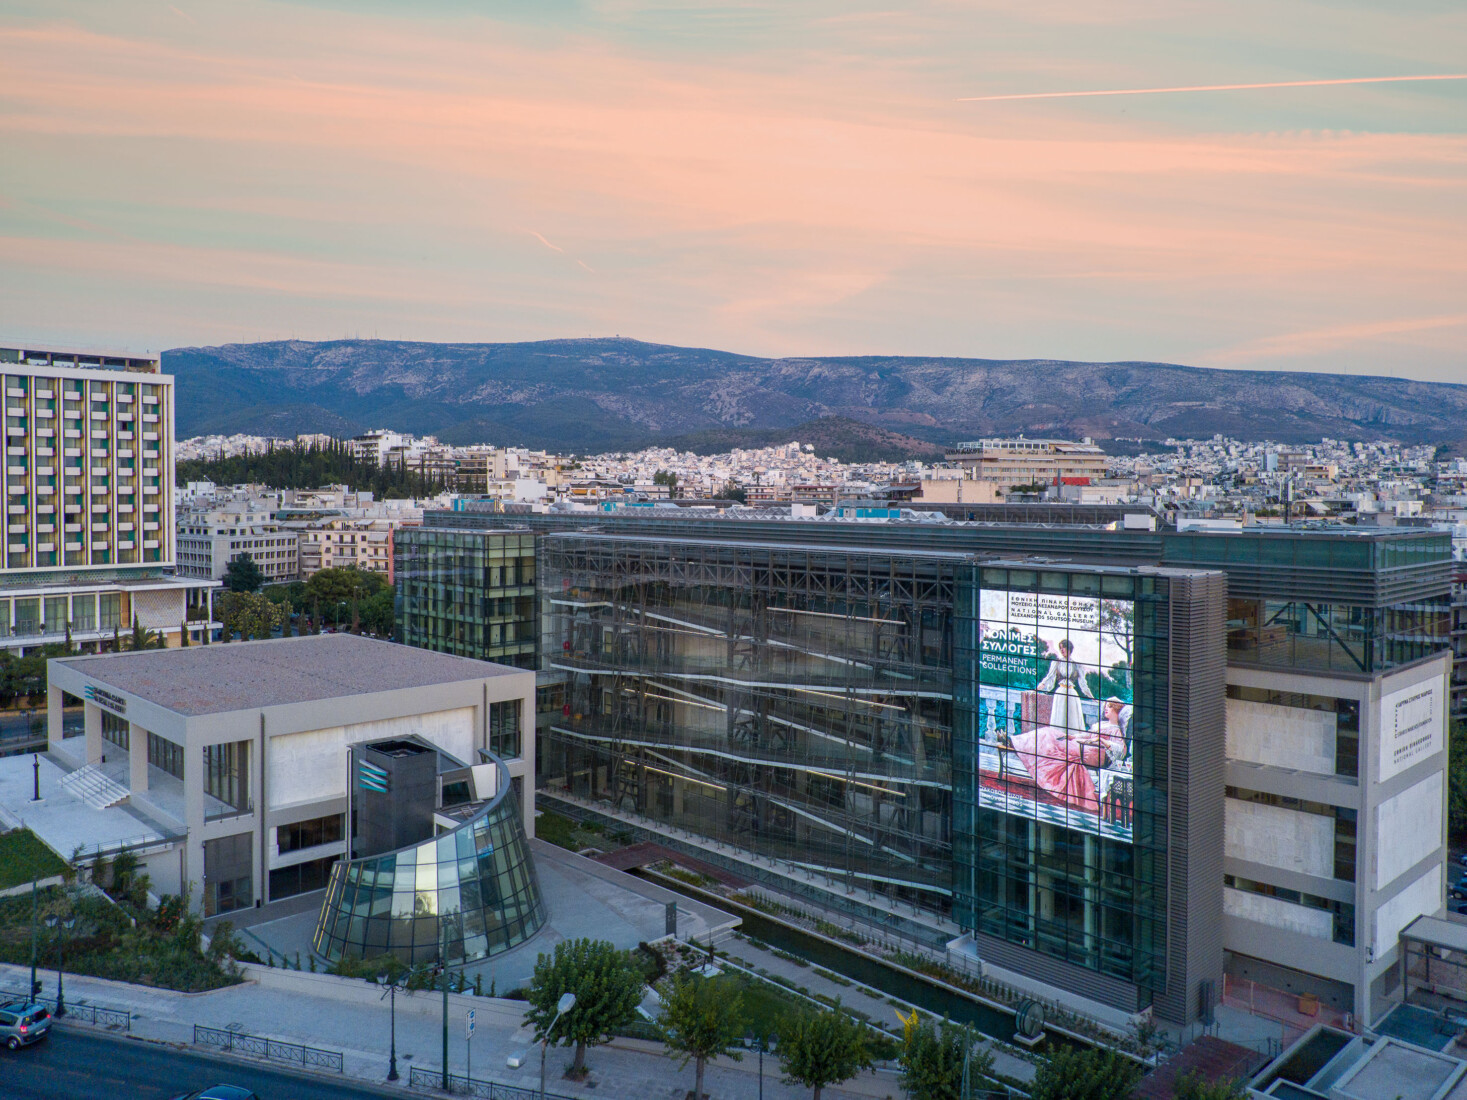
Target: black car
<point>1459,907</point>
<point>220,1092</point>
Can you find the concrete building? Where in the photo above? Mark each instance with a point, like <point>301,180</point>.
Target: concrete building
<point>88,489</point>
<point>243,756</point>
<point>210,538</point>
<point>364,544</point>
<point>1029,461</point>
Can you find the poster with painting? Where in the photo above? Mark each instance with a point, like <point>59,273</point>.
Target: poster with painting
<point>1055,705</point>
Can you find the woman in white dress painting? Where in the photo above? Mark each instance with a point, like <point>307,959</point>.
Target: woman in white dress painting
<point>1065,683</point>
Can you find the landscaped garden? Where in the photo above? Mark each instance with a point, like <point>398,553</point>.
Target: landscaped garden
<point>115,934</point>
<point>23,857</point>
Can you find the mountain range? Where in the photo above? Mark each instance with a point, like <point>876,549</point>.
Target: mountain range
<point>593,395</point>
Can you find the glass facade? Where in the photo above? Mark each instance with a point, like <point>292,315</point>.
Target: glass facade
<point>470,593</point>
<point>1059,835</point>
<point>791,701</point>
<point>463,895</point>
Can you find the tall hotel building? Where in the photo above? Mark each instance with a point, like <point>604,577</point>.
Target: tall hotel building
<point>88,489</point>
<point>1108,766</point>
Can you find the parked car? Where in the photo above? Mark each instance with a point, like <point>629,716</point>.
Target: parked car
<point>23,1023</point>
<point>1456,893</point>
<point>1457,906</point>
<point>1462,858</point>
<point>220,1092</point>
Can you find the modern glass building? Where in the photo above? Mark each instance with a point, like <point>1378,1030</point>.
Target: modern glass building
<point>470,593</point>
<point>1248,764</point>
<point>466,893</point>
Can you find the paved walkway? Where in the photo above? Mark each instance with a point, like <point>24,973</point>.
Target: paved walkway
<point>345,1015</point>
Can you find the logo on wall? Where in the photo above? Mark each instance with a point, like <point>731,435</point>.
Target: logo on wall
<point>371,777</point>
<point>103,698</point>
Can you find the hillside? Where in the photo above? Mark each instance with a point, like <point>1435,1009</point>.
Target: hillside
<point>602,394</point>
<point>836,437</point>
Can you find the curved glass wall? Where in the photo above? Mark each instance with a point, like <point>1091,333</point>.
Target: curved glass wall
<point>464,895</point>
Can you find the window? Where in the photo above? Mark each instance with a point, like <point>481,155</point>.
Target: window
<point>228,877</point>
<point>308,834</point>
<point>116,730</point>
<point>300,878</point>
<point>165,755</point>
<point>504,729</point>
<point>226,779</point>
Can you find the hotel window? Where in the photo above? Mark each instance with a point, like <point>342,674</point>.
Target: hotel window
<point>110,607</point>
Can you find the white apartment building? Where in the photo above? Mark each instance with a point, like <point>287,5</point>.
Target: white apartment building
<point>209,539</point>
<point>333,543</point>
<point>1029,461</point>
<point>88,488</point>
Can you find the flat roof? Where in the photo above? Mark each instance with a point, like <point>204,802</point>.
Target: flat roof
<point>1437,932</point>
<point>216,679</point>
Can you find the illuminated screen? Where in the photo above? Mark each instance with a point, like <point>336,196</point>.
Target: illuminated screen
<point>1054,709</point>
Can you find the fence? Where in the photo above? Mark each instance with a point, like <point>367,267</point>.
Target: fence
<point>270,1049</point>
<point>96,1015</point>
<point>420,1078</point>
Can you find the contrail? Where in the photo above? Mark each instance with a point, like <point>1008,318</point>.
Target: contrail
<point>1216,87</point>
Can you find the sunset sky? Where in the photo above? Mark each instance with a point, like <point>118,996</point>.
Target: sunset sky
<point>791,177</point>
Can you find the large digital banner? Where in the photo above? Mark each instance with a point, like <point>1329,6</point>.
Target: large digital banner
<point>1055,697</point>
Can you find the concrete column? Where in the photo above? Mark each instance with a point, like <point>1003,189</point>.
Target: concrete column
<point>93,724</point>
<point>527,754</point>
<point>193,817</point>
<point>137,758</point>
<point>54,717</point>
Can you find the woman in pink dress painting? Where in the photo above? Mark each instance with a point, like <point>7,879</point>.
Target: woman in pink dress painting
<point>1059,756</point>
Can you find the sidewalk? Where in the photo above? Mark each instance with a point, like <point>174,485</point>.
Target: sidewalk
<point>346,1015</point>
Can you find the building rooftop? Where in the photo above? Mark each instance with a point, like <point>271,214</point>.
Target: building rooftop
<point>215,679</point>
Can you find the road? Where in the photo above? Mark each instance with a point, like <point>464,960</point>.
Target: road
<point>83,1065</point>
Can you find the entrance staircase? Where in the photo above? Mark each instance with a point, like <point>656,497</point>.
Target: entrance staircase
<point>92,786</point>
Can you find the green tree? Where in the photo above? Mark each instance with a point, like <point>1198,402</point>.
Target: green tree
<point>822,1048</point>
<point>1457,780</point>
<point>243,575</point>
<point>378,615</point>
<point>249,614</point>
<point>1085,1074</point>
<point>338,586</point>
<point>1196,1087</point>
<point>668,478</point>
<point>932,1061</point>
<point>702,1018</point>
<point>608,987</point>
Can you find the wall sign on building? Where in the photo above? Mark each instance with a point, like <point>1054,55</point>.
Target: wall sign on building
<point>1411,727</point>
<point>103,698</point>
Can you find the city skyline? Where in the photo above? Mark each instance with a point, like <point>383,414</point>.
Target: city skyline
<point>766,179</point>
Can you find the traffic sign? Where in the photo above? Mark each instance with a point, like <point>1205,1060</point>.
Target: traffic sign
<point>469,1025</point>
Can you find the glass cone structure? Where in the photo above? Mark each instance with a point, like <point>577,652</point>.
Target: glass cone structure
<point>467,893</point>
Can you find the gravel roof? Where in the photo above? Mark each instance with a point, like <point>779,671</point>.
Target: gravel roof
<point>215,679</point>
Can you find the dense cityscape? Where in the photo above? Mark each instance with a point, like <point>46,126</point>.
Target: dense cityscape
<point>609,550</point>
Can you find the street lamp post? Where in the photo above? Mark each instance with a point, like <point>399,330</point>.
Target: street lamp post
<point>391,994</point>
<point>64,925</point>
<point>763,1044</point>
<point>565,1004</point>
<point>443,974</point>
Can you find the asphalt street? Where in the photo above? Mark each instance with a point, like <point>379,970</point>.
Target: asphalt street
<point>82,1065</point>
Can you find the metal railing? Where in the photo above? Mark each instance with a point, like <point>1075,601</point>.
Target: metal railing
<point>432,1079</point>
<point>96,1015</point>
<point>271,1050</point>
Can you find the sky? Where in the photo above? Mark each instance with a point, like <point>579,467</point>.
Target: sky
<point>790,177</point>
